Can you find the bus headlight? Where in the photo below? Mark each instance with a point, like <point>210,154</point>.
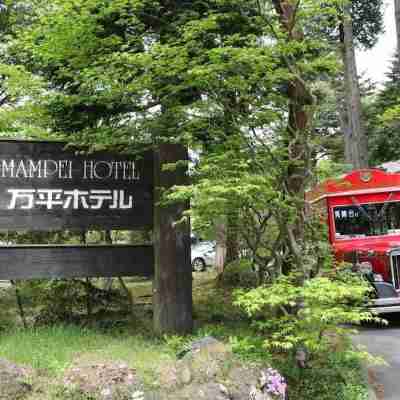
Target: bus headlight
<point>378,278</point>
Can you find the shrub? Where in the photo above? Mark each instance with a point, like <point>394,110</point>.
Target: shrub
<point>240,273</point>
<point>66,300</point>
<point>339,377</point>
<point>310,316</point>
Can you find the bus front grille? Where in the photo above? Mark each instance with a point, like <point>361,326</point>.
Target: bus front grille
<point>395,266</point>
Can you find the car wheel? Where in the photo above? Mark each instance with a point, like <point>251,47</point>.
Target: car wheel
<point>198,265</point>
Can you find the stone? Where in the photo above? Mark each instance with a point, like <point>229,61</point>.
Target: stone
<point>210,371</point>
<point>13,381</point>
<point>138,395</point>
<point>208,345</point>
<point>256,394</point>
<point>107,381</point>
<point>224,390</point>
<point>169,376</point>
<point>205,342</point>
<point>241,380</point>
<point>206,391</point>
<point>185,375</point>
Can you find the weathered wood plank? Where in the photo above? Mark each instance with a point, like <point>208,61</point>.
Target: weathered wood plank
<point>59,261</point>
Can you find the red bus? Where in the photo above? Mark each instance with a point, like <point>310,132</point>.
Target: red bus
<point>362,210</point>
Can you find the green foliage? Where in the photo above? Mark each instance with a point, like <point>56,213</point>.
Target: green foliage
<point>240,273</point>
<point>294,316</point>
<point>384,119</point>
<point>49,348</point>
<point>177,344</point>
<point>328,169</point>
<point>367,21</point>
<point>250,348</point>
<point>52,350</point>
<point>67,300</point>
<point>213,75</point>
<point>215,305</point>
<point>59,300</point>
<point>339,377</point>
<point>250,183</point>
<point>218,77</point>
<point>326,121</point>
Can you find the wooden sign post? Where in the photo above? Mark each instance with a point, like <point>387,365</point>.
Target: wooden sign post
<point>173,272</point>
<point>46,186</point>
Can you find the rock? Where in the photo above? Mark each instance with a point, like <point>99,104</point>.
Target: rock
<point>207,359</point>
<point>256,394</point>
<point>205,342</point>
<point>205,391</point>
<point>301,357</point>
<point>207,345</point>
<point>204,362</point>
<point>185,375</point>
<point>137,395</point>
<point>107,381</point>
<point>169,376</point>
<point>241,379</point>
<point>13,385</point>
<point>210,371</point>
<point>224,390</point>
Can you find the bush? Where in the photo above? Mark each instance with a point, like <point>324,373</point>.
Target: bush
<point>310,316</point>
<point>65,300</point>
<point>338,377</point>
<point>240,273</point>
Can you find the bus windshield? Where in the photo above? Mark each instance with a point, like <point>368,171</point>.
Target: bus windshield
<point>360,220</point>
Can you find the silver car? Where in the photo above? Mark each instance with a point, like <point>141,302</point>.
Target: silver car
<point>203,254</point>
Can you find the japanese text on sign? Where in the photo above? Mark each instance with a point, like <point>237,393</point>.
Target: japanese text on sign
<point>27,199</point>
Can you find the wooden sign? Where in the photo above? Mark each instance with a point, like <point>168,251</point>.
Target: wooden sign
<point>64,261</point>
<point>44,186</point>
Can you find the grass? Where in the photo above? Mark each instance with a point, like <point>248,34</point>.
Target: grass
<point>49,348</point>
<point>54,348</point>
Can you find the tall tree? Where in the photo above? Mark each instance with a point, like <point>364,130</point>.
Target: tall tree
<point>360,26</point>
<point>397,21</point>
<point>300,98</point>
<point>356,149</point>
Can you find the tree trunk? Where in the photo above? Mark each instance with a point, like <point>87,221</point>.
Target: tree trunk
<point>355,138</point>
<point>232,237</point>
<point>397,19</point>
<point>297,140</point>
<point>220,248</point>
<point>343,116</point>
<point>172,291</point>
